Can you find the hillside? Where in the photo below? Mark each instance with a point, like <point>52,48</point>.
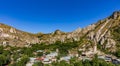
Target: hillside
<point>95,45</point>
<point>104,33</point>
<point>13,37</point>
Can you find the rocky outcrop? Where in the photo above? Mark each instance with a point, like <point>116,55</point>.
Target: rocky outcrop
<point>98,33</point>
<point>13,37</point>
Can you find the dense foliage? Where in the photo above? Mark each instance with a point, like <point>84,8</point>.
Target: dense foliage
<point>116,36</point>
<point>15,56</point>
<point>62,47</point>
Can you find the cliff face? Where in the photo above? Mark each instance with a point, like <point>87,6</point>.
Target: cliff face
<point>102,33</point>
<point>13,37</point>
<point>104,30</point>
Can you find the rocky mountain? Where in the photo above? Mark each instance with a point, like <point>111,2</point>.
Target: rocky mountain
<point>103,35</point>
<point>13,37</point>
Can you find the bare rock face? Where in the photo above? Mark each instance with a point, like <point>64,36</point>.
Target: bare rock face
<point>78,30</point>
<point>102,33</point>
<point>12,30</point>
<point>1,30</point>
<point>58,32</point>
<point>98,33</point>
<point>5,35</point>
<point>115,15</point>
<point>13,37</point>
<point>89,28</point>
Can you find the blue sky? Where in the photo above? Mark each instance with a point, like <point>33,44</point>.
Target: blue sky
<point>48,15</point>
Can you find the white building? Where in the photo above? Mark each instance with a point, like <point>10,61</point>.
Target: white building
<point>46,61</point>
<point>52,55</point>
<point>66,58</point>
<point>32,60</point>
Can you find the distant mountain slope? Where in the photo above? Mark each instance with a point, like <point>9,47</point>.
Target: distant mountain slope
<point>100,33</point>
<point>14,37</point>
<point>103,35</point>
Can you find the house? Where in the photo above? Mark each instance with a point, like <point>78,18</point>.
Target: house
<point>118,60</point>
<point>108,59</point>
<point>101,57</point>
<point>46,61</point>
<point>39,59</point>
<point>66,58</point>
<point>115,61</point>
<point>86,58</point>
<point>32,60</point>
<point>40,51</point>
<point>52,55</point>
<point>53,59</point>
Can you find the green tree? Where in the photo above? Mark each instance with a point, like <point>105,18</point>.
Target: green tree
<point>73,60</point>
<point>79,63</point>
<point>1,49</point>
<point>95,61</point>
<point>118,53</point>
<point>63,63</point>
<point>24,59</point>
<point>38,64</point>
<point>86,63</point>
<point>3,60</point>
<point>40,54</point>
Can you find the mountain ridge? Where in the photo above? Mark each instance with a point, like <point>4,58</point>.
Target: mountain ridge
<point>14,37</point>
<point>97,33</point>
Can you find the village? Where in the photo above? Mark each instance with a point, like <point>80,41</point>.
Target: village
<point>53,57</point>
